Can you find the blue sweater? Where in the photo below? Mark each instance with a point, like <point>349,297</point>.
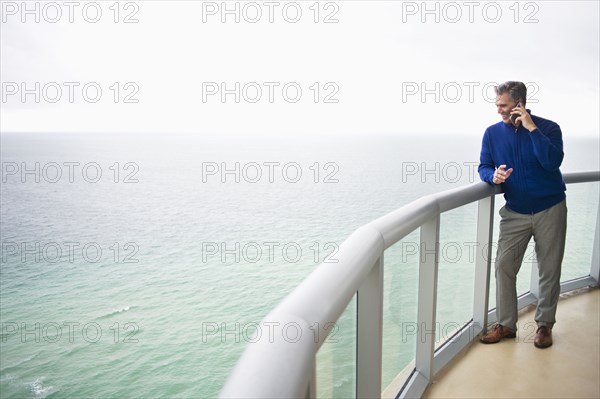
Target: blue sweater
<point>536,183</point>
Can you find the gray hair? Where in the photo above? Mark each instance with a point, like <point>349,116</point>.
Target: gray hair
<point>516,90</point>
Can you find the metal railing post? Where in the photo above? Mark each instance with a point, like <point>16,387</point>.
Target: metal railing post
<point>595,267</point>
<point>369,332</point>
<point>311,390</point>
<point>483,263</point>
<point>534,282</point>
<point>428,272</point>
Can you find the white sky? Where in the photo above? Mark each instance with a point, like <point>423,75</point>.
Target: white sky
<point>372,55</point>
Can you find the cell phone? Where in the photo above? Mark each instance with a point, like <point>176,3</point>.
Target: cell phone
<point>513,117</point>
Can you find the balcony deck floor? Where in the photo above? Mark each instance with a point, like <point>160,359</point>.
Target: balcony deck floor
<point>515,368</point>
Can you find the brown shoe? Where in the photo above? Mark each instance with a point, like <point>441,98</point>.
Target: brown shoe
<point>497,333</point>
<point>543,337</point>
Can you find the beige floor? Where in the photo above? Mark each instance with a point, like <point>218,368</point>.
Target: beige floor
<point>516,369</point>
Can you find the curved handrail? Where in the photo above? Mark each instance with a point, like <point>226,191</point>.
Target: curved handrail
<point>398,224</point>
<point>270,360</point>
<point>276,365</point>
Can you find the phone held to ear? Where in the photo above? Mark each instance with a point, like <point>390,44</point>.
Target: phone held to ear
<point>513,117</point>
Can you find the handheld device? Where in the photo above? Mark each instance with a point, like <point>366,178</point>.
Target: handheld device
<point>513,117</point>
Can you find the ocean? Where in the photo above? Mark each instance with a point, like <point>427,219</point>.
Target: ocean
<point>139,265</point>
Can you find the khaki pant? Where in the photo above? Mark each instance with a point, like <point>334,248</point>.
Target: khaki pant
<point>548,228</point>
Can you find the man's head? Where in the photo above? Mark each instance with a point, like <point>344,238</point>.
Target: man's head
<point>508,95</point>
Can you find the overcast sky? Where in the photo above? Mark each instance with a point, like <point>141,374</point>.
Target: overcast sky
<point>329,68</point>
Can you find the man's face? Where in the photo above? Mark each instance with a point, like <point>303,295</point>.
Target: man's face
<point>505,104</point>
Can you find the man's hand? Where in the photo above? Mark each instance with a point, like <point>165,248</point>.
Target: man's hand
<point>500,175</point>
<point>524,118</point>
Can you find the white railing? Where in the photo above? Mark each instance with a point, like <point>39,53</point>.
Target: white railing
<point>274,366</point>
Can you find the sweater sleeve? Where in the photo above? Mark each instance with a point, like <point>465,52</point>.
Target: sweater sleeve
<point>486,163</point>
<point>548,146</point>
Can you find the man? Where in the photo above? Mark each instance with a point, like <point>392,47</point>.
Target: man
<point>523,153</point>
